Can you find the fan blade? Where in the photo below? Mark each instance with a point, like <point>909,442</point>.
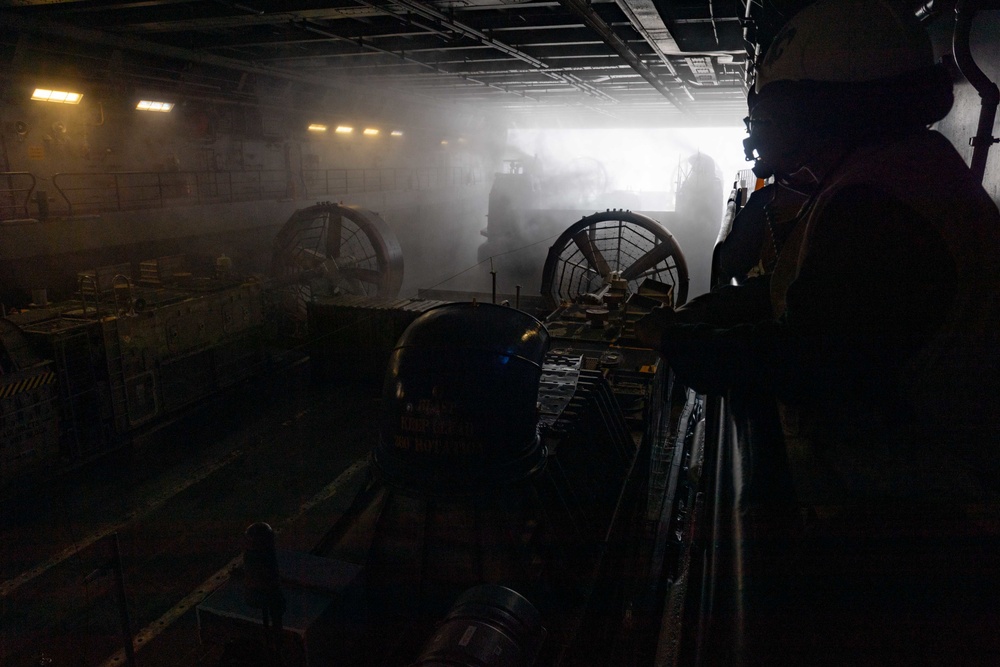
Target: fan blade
<point>364,275</point>
<point>659,253</point>
<point>307,259</point>
<point>591,252</point>
<point>334,230</point>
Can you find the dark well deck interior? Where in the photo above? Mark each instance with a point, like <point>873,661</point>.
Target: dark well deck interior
<point>179,499</point>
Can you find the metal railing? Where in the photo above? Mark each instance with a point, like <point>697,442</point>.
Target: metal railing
<point>15,193</point>
<point>125,191</point>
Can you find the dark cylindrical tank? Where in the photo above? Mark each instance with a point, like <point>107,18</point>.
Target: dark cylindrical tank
<point>488,626</point>
<point>460,399</point>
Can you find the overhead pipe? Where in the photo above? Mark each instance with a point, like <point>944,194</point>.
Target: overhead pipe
<point>584,10</point>
<point>988,91</point>
<point>132,43</point>
<point>751,46</point>
<point>750,41</point>
<point>310,26</point>
<point>646,19</point>
<point>459,28</point>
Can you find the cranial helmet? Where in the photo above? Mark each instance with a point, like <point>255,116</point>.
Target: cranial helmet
<point>846,41</point>
<point>852,71</point>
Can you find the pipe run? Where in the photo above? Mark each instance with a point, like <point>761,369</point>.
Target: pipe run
<point>965,10</point>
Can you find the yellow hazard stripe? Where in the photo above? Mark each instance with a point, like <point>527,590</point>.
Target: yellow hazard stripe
<point>27,384</point>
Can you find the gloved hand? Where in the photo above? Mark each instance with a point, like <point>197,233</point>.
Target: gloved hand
<point>649,328</point>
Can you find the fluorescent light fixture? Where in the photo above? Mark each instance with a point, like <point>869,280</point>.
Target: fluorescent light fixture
<point>444,142</point>
<point>344,129</point>
<point>317,127</point>
<point>396,133</point>
<point>61,96</point>
<point>151,105</point>
<point>370,132</point>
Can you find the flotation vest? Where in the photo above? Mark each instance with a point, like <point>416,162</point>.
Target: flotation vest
<point>952,447</point>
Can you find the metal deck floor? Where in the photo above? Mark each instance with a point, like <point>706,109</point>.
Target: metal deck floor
<point>179,500</point>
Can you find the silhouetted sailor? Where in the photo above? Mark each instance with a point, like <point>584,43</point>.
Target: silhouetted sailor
<point>877,332</point>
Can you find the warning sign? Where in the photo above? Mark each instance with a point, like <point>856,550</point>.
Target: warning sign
<point>36,152</point>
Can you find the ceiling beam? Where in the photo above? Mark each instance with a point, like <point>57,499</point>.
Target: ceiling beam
<point>455,26</point>
<point>310,27</point>
<point>585,11</point>
<point>428,12</point>
<point>130,43</point>
<point>647,20</point>
<point>244,20</point>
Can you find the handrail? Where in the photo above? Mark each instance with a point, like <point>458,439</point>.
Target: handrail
<point>130,190</point>
<point>988,92</point>
<point>11,191</point>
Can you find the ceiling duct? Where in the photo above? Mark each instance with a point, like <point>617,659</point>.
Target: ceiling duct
<point>585,11</point>
<point>648,22</point>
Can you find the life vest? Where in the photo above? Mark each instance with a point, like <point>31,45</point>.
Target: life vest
<point>953,445</point>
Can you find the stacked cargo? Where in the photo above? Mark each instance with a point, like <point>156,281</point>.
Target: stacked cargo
<point>77,381</point>
<point>353,336</point>
<point>29,433</point>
